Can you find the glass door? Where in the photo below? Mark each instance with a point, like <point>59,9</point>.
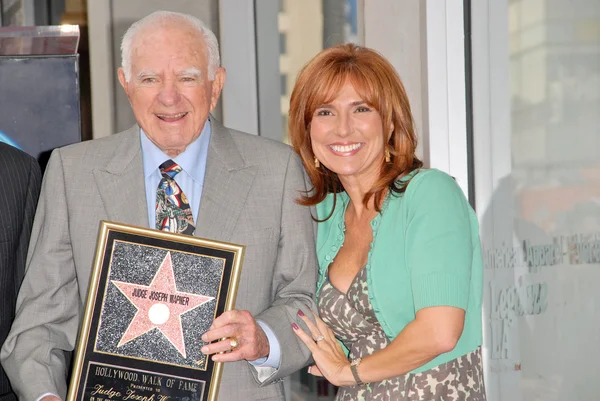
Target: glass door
<point>536,103</point>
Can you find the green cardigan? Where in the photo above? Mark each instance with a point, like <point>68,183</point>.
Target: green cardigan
<point>425,252</point>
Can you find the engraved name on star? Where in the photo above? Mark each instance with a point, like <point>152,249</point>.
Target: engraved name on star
<point>159,305</point>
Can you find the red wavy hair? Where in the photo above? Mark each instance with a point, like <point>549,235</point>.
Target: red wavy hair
<point>377,83</point>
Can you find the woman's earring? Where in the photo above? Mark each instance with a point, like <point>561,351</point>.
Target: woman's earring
<point>387,155</point>
<point>317,163</point>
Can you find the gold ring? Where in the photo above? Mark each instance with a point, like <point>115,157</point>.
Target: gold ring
<point>233,343</point>
<point>320,338</point>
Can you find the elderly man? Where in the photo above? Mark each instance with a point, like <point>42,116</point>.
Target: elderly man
<point>20,180</point>
<point>239,188</point>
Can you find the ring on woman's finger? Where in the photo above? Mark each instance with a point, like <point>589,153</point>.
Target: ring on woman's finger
<point>320,338</point>
<point>233,343</point>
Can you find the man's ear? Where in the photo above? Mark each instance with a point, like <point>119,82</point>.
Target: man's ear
<point>217,87</point>
<point>122,80</point>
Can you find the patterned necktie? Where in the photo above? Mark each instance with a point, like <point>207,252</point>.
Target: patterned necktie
<point>173,212</point>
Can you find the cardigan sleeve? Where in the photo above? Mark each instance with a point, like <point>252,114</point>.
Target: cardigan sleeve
<point>439,249</point>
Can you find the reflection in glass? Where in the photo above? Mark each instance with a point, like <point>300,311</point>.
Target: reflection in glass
<point>39,40</point>
<point>542,274</point>
<point>555,104</point>
<point>11,12</point>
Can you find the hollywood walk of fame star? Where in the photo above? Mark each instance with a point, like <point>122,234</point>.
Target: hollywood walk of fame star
<point>159,305</point>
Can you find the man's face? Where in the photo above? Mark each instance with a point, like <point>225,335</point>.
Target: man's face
<point>169,89</point>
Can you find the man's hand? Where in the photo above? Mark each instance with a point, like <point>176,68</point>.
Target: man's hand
<point>232,326</point>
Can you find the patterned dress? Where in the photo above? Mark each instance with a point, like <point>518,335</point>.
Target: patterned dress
<point>353,321</point>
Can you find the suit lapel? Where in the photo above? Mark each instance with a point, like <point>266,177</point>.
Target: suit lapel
<point>227,182</point>
<point>121,182</point>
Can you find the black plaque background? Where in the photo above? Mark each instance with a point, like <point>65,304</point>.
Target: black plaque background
<point>83,391</point>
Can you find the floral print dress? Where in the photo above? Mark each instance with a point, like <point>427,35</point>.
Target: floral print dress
<point>352,319</point>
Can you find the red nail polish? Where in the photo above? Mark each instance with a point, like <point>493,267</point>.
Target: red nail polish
<point>295,326</point>
<point>300,313</point>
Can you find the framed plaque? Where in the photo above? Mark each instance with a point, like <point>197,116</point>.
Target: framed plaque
<point>152,295</point>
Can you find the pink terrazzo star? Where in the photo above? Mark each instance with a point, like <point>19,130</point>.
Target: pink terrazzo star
<point>159,305</point>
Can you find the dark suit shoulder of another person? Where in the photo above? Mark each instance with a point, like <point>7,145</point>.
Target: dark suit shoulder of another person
<point>20,180</point>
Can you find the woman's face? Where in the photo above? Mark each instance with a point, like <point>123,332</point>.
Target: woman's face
<point>347,137</point>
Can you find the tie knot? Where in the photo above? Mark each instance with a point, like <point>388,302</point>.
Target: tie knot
<point>170,168</point>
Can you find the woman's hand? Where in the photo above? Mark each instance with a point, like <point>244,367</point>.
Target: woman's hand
<point>328,354</point>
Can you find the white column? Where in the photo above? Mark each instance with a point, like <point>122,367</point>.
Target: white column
<point>445,111</point>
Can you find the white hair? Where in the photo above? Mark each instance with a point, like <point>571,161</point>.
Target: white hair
<point>161,18</point>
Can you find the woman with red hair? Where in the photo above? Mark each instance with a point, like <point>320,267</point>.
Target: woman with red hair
<point>400,282</point>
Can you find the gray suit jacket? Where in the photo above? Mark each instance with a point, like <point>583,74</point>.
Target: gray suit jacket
<point>20,180</point>
<point>248,198</point>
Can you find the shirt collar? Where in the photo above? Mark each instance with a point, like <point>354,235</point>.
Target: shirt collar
<point>192,160</point>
